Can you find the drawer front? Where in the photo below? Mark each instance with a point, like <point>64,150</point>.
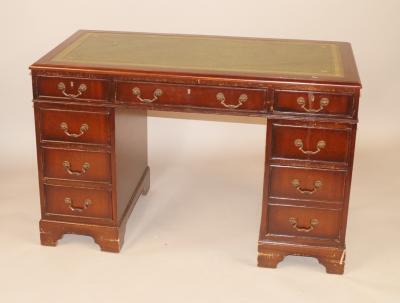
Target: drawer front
<point>309,143</point>
<point>77,165</point>
<point>77,202</point>
<point>308,184</point>
<point>196,96</point>
<point>301,221</point>
<point>311,103</point>
<point>73,88</point>
<point>75,126</point>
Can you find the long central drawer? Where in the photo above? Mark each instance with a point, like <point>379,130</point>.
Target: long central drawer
<point>228,98</point>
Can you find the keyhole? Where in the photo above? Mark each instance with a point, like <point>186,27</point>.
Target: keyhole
<point>72,84</point>
<point>189,91</point>
<point>311,98</point>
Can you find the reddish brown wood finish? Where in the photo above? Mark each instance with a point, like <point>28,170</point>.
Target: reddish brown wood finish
<point>100,205</point>
<point>69,126</point>
<point>104,219</point>
<point>115,145</point>
<point>131,157</point>
<point>338,104</point>
<point>109,238</point>
<point>191,96</point>
<point>280,224</point>
<point>277,236</point>
<point>96,90</point>
<point>99,169</point>
<point>313,184</point>
<point>337,141</point>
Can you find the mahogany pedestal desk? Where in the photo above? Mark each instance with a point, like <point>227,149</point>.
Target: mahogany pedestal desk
<point>91,95</point>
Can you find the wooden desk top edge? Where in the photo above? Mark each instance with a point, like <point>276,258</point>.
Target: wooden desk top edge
<point>350,72</point>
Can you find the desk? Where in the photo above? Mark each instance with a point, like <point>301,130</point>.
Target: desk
<point>91,95</point>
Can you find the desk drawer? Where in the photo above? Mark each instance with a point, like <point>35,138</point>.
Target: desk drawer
<point>308,142</point>
<point>77,165</point>
<point>197,96</point>
<point>73,88</point>
<point>78,202</point>
<point>303,221</point>
<point>307,184</point>
<point>313,103</point>
<point>74,126</point>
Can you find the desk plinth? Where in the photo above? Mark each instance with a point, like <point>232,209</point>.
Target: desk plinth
<point>91,96</point>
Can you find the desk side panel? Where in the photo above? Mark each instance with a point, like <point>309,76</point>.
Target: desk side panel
<point>130,156</point>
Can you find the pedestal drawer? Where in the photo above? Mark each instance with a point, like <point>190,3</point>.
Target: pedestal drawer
<point>78,202</point>
<point>308,184</point>
<point>303,221</point>
<point>73,88</point>
<point>229,98</point>
<point>77,165</point>
<point>313,103</point>
<point>74,126</point>
<point>311,142</point>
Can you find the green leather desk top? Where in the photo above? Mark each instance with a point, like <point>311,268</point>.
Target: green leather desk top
<point>272,58</point>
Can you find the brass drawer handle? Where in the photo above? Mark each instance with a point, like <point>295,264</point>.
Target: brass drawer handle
<point>242,99</point>
<point>86,204</point>
<point>67,167</point>
<point>156,94</point>
<point>299,144</point>
<point>313,223</point>
<point>82,88</point>
<point>296,184</point>
<point>311,98</point>
<point>84,128</point>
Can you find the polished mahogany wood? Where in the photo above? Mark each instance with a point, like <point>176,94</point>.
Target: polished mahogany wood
<point>329,246</point>
<point>130,161</point>
<point>314,103</point>
<point>302,141</point>
<point>291,220</point>
<point>78,202</point>
<point>83,89</point>
<point>308,183</point>
<point>91,127</point>
<point>98,115</point>
<point>109,238</point>
<point>83,165</point>
<point>191,96</point>
<point>117,176</point>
